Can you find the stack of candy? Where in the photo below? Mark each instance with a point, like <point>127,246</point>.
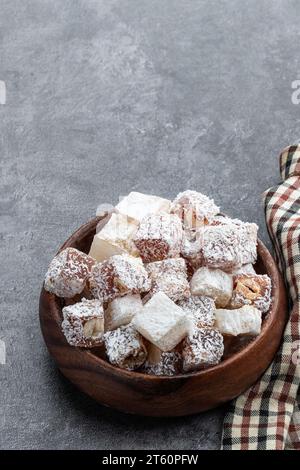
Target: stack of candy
<point>164,285</point>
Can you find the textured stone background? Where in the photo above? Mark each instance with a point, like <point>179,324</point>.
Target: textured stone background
<point>104,97</point>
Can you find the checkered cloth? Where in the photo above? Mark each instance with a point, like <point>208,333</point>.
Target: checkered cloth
<point>267,416</point>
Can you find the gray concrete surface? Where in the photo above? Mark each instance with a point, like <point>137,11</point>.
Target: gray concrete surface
<point>104,97</point>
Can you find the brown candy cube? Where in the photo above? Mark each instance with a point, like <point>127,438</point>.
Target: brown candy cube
<point>159,237</point>
<point>162,363</point>
<point>200,310</point>
<point>201,349</point>
<point>170,277</point>
<point>251,289</point>
<point>68,272</point>
<point>117,276</point>
<point>83,323</point>
<point>229,246</point>
<point>125,348</point>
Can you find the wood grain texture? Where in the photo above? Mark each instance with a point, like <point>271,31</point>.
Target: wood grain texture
<point>185,394</point>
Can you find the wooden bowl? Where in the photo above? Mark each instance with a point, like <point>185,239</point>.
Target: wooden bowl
<point>179,395</point>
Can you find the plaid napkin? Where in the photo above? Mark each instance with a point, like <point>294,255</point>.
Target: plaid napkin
<point>267,416</point>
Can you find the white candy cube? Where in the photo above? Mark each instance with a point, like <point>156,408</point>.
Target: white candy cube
<point>121,311</point>
<point>241,321</point>
<point>115,238</point>
<point>138,205</point>
<point>212,283</point>
<point>162,322</point>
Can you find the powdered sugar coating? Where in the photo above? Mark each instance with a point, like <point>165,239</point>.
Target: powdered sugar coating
<point>159,237</point>
<point>191,248</point>
<point>203,348</point>
<point>221,219</point>
<point>213,283</point>
<point>75,318</point>
<point>200,310</point>
<point>241,321</point>
<point>121,311</point>
<point>249,289</point>
<point>220,247</point>
<point>247,234</point>
<point>162,322</point>
<point>248,240</point>
<point>68,272</point>
<point>119,275</point>
<point>115,238</point>
<point>194,208</point>
<point>229,246</point>
<point>226,243</point>
<point>170,277</point>
<point>169,364</point>
<point>125,348</point>
<point>138,205</point>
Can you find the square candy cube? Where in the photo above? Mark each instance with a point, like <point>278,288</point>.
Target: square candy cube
<point>249,289</point>
<point>194,208</point>
<point>115,238</point>
<point>162,322</point>
<point>229,245</point>
<point>138,205</point>
<point>221,246</point>
<point>159,237</point>
<point>212,283</point>
<point>170,277</point>
<point>200,310</point>
<point>241,321</point>
<point>117,276</point>
<point>83,323</point>
<point>201,349</point>
<point>68,272</point>
<point>125,348</point>
<point>122,310</point>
